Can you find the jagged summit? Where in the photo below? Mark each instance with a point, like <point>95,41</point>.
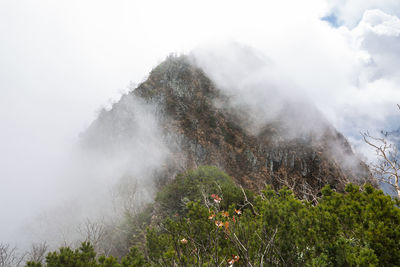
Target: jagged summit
<point>199,127</point>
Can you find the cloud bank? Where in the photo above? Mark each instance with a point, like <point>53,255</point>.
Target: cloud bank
<point>61,61</point>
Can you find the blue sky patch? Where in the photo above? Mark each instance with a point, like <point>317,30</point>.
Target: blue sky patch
<point>332,19</point>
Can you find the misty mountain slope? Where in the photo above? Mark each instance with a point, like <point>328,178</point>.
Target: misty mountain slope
<point>193,123</point>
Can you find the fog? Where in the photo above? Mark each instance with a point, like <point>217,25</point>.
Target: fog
<point>109,173</point>
<point>259,92</point>
<point>61,62</point>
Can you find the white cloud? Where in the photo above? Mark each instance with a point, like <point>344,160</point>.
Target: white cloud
<point>350,12</point>
<point>378,34</point>
<point>62,60</point>
<point>377,91</point>
<point>379,23</point>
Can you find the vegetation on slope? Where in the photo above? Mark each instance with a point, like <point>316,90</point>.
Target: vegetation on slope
<point>209,221</point>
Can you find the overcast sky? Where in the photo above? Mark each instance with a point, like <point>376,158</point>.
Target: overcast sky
<point>61,61</point>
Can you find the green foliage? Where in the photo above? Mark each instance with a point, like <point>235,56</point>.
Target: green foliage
<point>134,259</point>
<point>359,224</point>
<point>218,224</point>
<point>357,228</point>
<point>135,226</point>
<point>85,256</point>
<point>197,185</point>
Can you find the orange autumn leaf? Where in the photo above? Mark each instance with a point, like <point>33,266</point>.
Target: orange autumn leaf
<point>225,214</point>
<point>226,224</point>
<point>216,198</point>
<point>219,224</point>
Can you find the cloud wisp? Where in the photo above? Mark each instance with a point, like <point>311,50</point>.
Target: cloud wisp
<point>63,60</point>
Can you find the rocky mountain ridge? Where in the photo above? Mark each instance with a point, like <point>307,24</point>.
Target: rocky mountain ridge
<point>199,127</point>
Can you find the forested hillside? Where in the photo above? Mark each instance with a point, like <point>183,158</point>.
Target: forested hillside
<point>222,191</point>
<point>203,218</point>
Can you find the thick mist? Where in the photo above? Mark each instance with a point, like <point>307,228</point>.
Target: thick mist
<point>62,61</point>
<point>259,92</point>
<point>111,174</point>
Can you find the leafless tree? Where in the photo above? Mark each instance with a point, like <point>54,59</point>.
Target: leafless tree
<point>9,256</point>
<point>298,185</point>
<point>387,167</point>
<point>37,253</point>
<point>127,197</point>
<point>93,232</point>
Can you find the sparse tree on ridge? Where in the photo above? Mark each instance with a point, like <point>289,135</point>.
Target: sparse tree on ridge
<point>9,256</point>
<point>387,167</point>
<point>38,252</point>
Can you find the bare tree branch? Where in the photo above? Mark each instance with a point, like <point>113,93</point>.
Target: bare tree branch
<point>9,256</point>
<point>387,168</point>
<point>38,252</point>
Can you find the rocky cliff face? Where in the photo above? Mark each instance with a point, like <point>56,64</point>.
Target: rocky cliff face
<point>199,127</point>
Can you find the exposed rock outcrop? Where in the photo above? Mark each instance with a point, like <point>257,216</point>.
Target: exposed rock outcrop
<point>200,128</point>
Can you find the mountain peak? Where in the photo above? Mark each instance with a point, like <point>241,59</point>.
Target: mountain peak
<point>200,126</point>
